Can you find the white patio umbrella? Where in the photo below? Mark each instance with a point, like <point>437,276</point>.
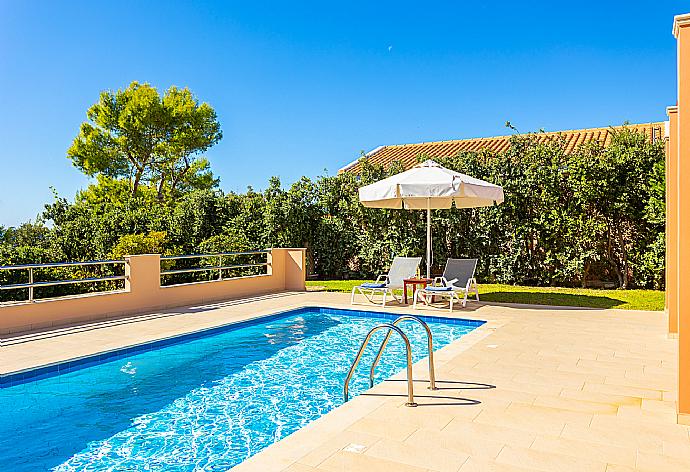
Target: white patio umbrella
<point>429,186</point>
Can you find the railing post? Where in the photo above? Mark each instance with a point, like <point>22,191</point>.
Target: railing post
<point>31,281</point>
<point>220,264</point>
<point>143,273</point>
<point>295,266</point>
<point>270,255</point>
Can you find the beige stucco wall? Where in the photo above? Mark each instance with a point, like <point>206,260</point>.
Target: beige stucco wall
<point>143,293</point>
<point>681,30</point>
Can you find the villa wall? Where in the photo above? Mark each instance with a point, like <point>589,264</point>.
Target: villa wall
<point>144,293</point>
<point>681,206</point>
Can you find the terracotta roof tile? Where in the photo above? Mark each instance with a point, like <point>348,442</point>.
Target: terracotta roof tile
<point>407,154</point>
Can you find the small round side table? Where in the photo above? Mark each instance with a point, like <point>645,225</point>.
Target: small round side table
<point>414,281</point>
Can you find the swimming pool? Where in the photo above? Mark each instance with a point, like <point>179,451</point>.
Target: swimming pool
<point>204,401</point>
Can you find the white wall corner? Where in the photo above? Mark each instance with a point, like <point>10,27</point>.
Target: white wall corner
<point>679,21</point>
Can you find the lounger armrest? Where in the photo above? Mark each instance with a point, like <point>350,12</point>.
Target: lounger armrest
<point>439,281</point>
<point>445,282</point>
<point>382,279</point>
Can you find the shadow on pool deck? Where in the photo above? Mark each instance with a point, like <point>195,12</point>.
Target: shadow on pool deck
<point>458,401</point>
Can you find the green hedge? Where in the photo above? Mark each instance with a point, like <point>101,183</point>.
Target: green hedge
<point>594,217</point>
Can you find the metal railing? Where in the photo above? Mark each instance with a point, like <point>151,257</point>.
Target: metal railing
<point>219,266</point>
<point>408,349</point>
<point>32,268</point>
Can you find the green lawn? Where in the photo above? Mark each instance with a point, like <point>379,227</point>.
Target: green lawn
<point>583,297</point>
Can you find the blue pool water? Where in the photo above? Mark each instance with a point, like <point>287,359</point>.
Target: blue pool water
<point>204,403</point>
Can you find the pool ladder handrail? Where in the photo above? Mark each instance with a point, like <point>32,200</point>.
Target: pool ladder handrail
<point>390,327</point>
<point>430,348</point>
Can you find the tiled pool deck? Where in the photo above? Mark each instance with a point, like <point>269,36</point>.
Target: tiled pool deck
<point>575,390</point>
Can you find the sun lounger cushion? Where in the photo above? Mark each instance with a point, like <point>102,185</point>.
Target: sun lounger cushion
<point>439,289</point>
<point>372,285</point>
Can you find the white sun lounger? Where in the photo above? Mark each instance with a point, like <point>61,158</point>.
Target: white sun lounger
<point>401,268</point>
<point>456,283</point>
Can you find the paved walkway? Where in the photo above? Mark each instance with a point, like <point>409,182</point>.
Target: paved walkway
<point>534,389</point>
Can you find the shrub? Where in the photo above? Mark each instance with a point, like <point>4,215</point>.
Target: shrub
<point>152,242</point>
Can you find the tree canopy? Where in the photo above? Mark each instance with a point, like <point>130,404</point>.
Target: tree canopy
<point>145,138</point>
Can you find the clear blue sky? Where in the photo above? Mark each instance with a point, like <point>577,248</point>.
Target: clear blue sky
<point>300,87</point>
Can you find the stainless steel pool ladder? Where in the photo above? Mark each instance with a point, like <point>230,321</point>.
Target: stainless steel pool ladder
<point>408,351</point>
<point>430,349</point>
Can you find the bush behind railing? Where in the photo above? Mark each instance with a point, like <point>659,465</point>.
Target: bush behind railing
<point>52,274</point>
<point>201,269</point>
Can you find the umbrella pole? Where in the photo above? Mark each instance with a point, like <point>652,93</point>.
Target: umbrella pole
<point>428,238</point>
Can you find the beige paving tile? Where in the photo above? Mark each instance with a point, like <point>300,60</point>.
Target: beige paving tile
<point>596,452</point>
<point>357,440</point>
<point>563,379</point>
<point>494,397</point>
<point>657,405</point>
<point>415,417</point>
<point>297,467</point>
<point>605,398</point>
<point>582,352</point>
<point>533,389</point>
<point>619,468</point>
<point>536,419</point>
<point>666,383</point>
<point>388,429</point>
<point>625,360</point>
<point>622,437</point>
<point>347,461</point>
<point>548,462</point>
<point>676,449</point>
<point>617,389</point>
<point>488,432</point>
<point>544,412</point>
<point>413,454</point>
<point>635,413</point>
<point>478,465</point>
<point>552,426</point>
<point>570,404</point>
<point>481,447</point>
<point>659,370</point>
<point>663,431</point>
<point>659,463</point>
